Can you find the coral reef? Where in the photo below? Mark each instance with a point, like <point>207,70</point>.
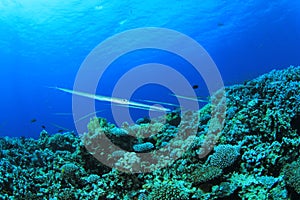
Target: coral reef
<point>292,175</point>
<point>169,189</point>
<point>224,155</point>
<point>256,155</point>
<point>143,147</point>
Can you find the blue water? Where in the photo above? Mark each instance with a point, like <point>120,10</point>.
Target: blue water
<point>43,43</point>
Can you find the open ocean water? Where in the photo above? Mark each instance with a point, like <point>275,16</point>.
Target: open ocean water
<point>221,77</point>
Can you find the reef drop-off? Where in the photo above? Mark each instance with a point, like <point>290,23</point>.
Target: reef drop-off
<point>256,156</point>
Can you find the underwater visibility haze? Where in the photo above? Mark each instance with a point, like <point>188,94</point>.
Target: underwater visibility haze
<point>246,131</point>
<point>43,43</point>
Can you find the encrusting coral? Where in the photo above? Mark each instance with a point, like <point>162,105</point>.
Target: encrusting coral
<point>291,173</point>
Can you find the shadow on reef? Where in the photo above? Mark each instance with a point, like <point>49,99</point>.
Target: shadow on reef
<point>256,156</point>
<point>295,122</point>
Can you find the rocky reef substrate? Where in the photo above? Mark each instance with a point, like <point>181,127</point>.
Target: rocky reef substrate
<point>256,154</point>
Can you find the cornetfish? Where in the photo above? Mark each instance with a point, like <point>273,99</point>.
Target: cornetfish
<point>122,102</point>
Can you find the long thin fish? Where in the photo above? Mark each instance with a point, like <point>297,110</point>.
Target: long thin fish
<point>138,107</point>
<point>115,100</point>
<point>189,98</point>
<point>159,102</point>
<point>59,127</point>
<point>88,115</point>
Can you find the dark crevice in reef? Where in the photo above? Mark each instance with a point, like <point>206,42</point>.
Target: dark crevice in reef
<point>295,123</point>
<point>293,194</point>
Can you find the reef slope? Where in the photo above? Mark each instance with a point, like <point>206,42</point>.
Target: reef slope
<point>256,156</point>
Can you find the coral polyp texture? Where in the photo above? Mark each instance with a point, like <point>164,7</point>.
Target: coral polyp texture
<point>256,155</point>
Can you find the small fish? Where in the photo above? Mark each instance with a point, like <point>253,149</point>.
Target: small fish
<point>33,120</point>
<point>43,127</point>
<point>195,86</point>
